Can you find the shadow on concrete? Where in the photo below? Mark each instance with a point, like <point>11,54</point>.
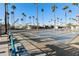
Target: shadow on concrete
<point>57,50</point>
<point>4,42</point>
<point>68,51</point>
<point>2,52</point>
<point>37,39</point>
<point>77,43</point>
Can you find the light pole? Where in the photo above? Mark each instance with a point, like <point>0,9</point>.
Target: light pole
<point>6,11</point>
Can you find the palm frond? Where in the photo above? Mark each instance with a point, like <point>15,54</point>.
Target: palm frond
<point>54,7</point>
<point>65,7</point>
<point>76,4</point>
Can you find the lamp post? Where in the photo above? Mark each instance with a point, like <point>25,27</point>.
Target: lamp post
<point>6,11</point>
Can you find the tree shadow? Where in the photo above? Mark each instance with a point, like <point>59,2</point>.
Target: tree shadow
<point>4,42</point>
<point>37,39</point>
<point>37,53</point>
<point>67,51</point>
<point>77,43</point>
<point>42,52</point>
<point>2,52</point>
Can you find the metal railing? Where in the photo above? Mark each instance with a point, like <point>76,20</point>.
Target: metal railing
<point>12,45</point>
<point>17,48</point>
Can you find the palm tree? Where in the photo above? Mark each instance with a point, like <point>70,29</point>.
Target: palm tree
<point>76,4</point>
<point>49,23</point>
<point>22,19</point>
<point>57,20</point>
<point>0,19</point>
<point>42,10</point>
<point>16,20</point>
<point>30,19</point>
<point>33,19</point>
<point>74,20</point>
<point>37,16</point>
<point>61,22</point>
<point>69,12</point>
<point>24,16</point>
<point>13,10</point>
<point>53,8</point>
<point>65,8</point>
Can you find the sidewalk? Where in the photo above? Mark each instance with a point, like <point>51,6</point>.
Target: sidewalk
<point>47,47</point>
<point>75,42</point>
<point>4,45</point>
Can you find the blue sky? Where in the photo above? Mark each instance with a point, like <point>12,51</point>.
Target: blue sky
<point>30,10</point>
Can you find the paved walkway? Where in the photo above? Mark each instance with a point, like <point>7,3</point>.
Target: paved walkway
<point>46,46</point>
<point>75,42</point>
<point>4,45</point>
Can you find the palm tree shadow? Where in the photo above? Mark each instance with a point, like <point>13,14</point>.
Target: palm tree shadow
<point>64,51</point>
<point>57,49</point>
<point>2,52</point>
<point>4,42</point>
<point>77,43</point>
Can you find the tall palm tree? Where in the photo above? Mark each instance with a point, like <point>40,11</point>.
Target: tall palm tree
<point>49,22</point>
<point>24,16</point>
<point>74,20</point>
<point>0,19</point>
<point>76,4</point>
<point>33,19</point>
<point>37,16</point>
<point>42,10</point>
<point>69,12</point>
<point>65,8</point>
<point>30,19</point>
<point>12,12</point>
<point>16,20</point>
<point>57,20</point>
<point>22,19</point>
<point>61,22</point>
<point>54,8</point>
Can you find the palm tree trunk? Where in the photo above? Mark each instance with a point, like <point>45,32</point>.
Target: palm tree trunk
<point>43,18</point>
<point>24,19</point>
<point>33,22</point>
<point>30,22</point>
<point>8,23</point>
<point>65,17</point>
<point>12,18</point>
<point>54,21</point>
<point>37,16</point>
